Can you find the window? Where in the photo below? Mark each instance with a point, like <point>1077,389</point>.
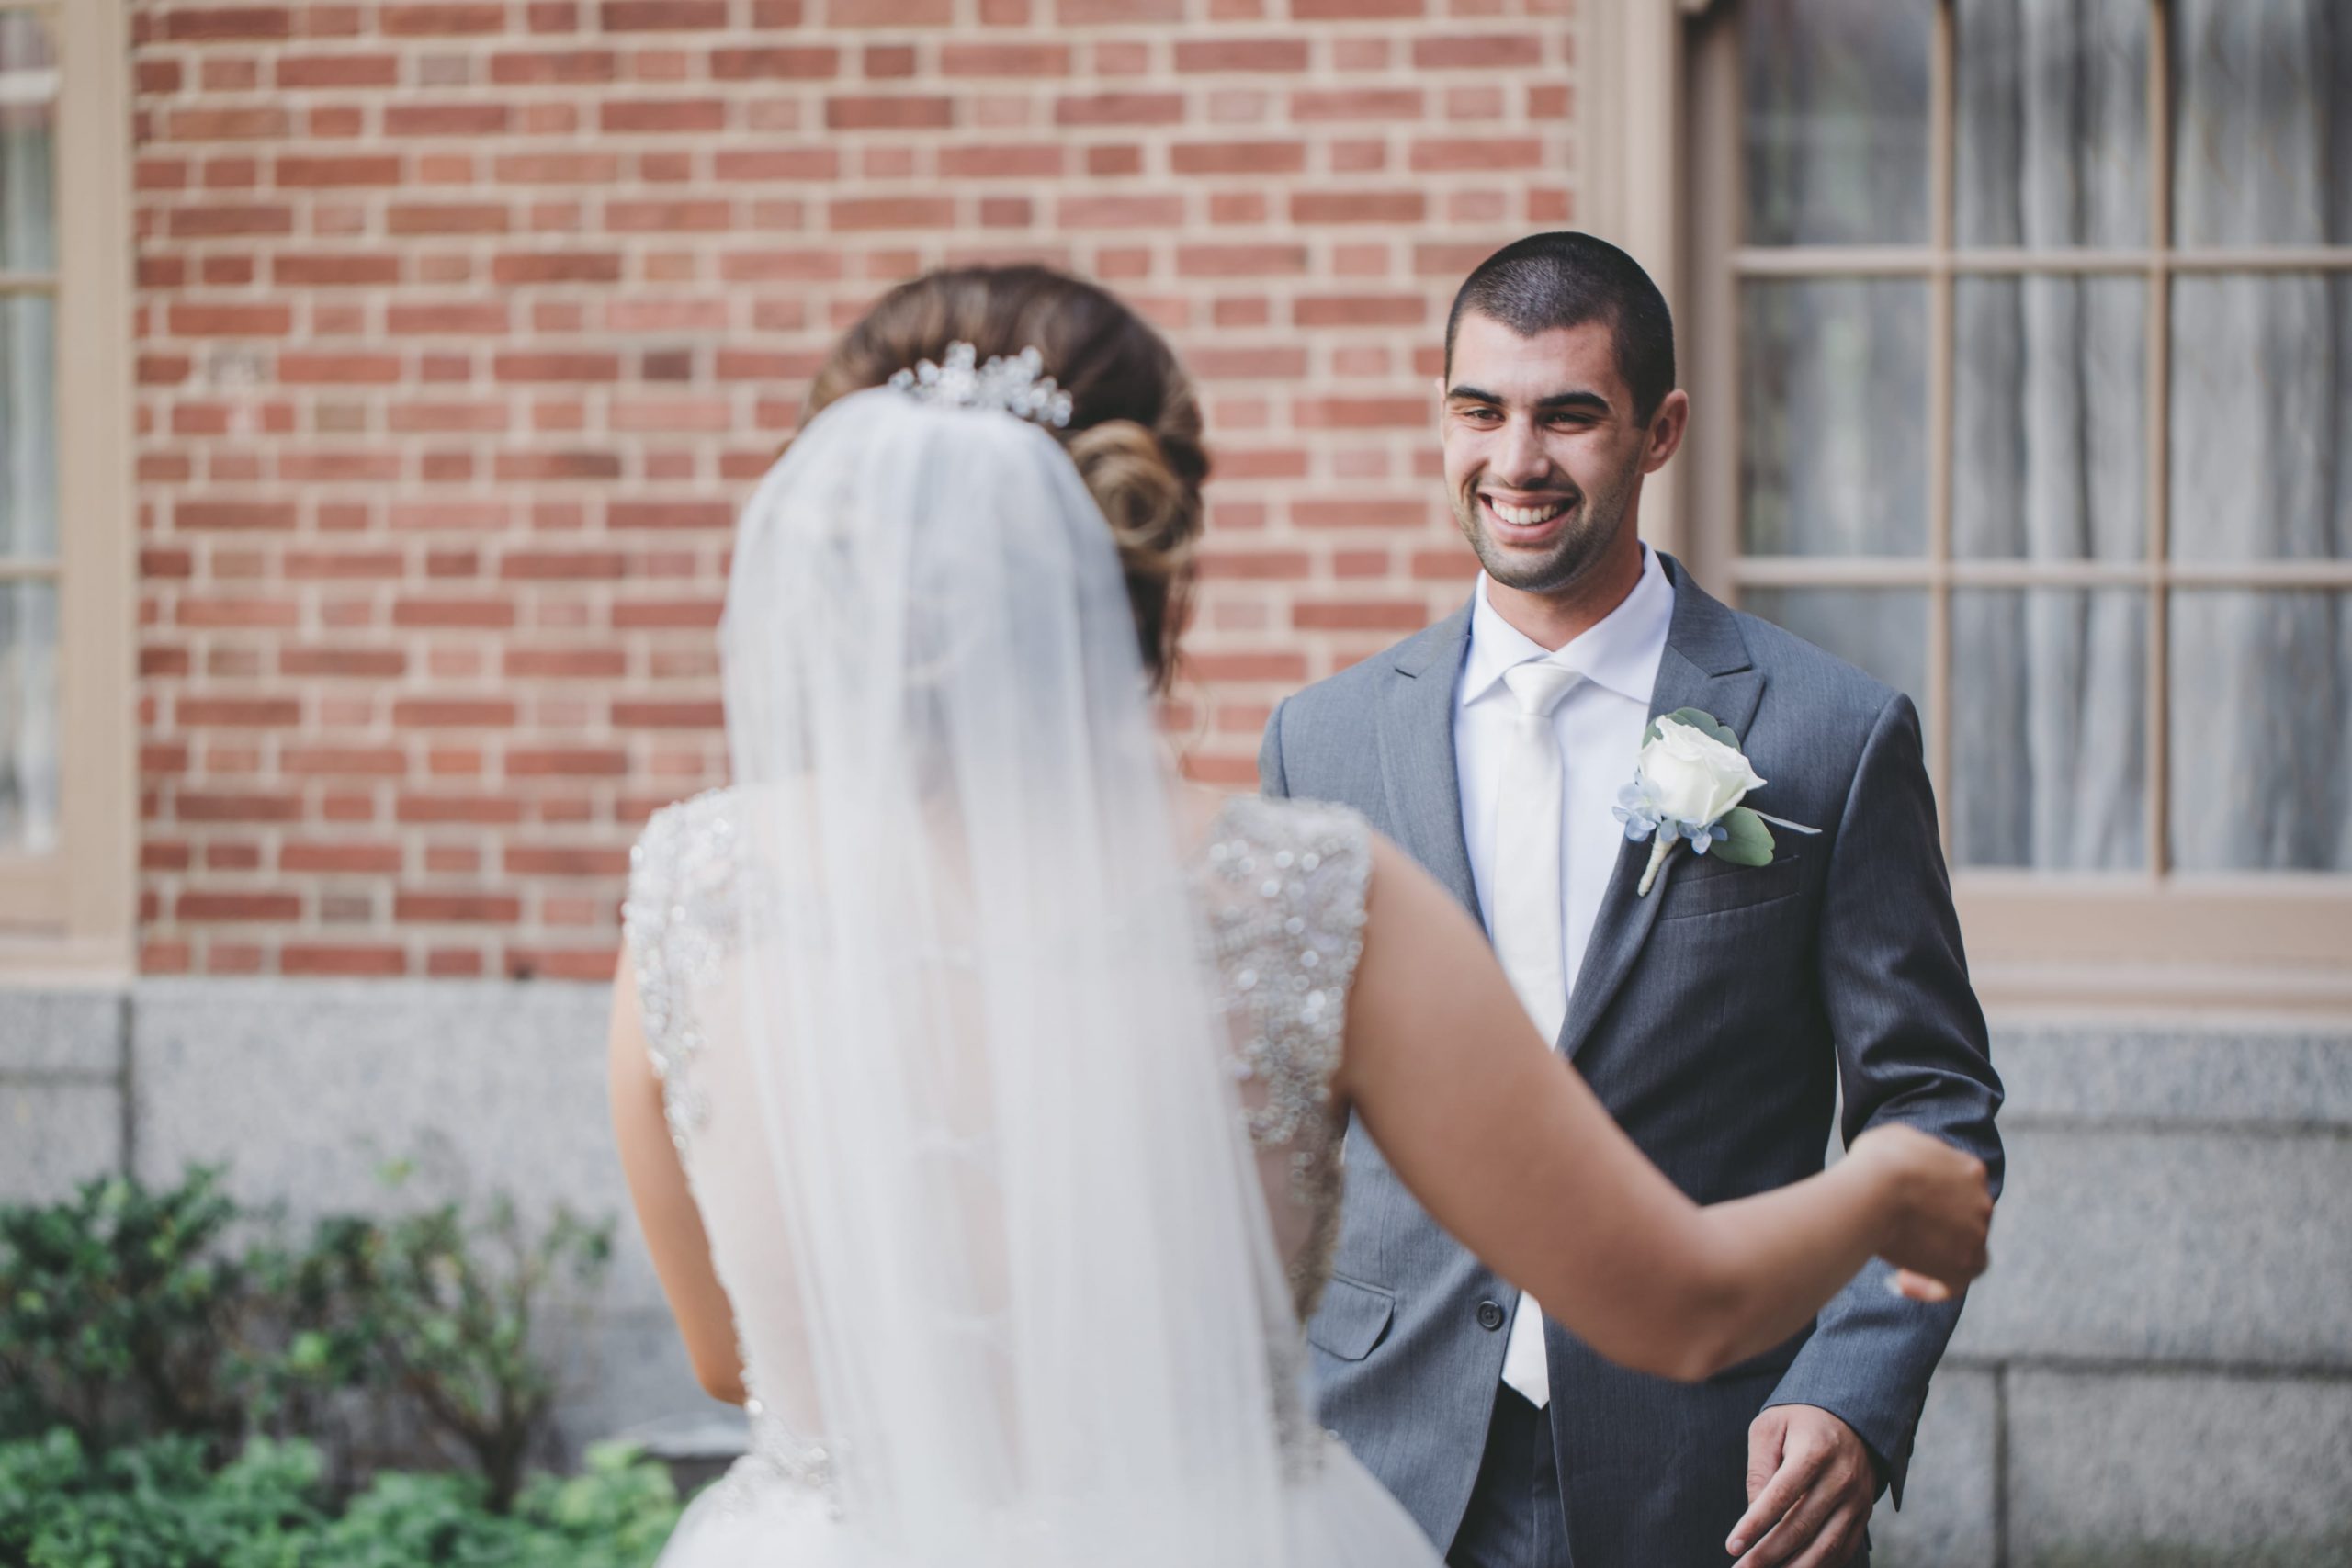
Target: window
<point>2021,332</point>
<point>66,800</point>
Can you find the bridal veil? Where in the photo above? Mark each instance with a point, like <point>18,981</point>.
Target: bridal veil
<point>1041,1310</point>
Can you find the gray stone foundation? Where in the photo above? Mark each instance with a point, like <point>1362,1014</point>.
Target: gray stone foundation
<point>2158,1372</point>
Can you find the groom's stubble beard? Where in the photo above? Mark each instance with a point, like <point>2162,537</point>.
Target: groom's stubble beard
<point>1589,529</point>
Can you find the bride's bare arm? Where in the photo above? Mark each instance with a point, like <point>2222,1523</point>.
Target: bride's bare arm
<point>1508,1149</point>
<point>665,1208</point>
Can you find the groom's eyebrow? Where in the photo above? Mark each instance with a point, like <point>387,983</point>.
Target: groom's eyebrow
<point>1589,402</point>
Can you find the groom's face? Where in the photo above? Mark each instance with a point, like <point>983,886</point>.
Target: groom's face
<point>1544,458</point>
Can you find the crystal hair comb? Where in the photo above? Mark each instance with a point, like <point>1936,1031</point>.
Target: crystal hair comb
<point>1017,385</point>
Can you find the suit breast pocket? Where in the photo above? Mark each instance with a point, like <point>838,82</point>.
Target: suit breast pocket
<point>1701,885</point>
<point>1353,1319</point>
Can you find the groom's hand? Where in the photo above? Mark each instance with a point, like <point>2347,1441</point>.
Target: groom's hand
<point>1811,1483</point>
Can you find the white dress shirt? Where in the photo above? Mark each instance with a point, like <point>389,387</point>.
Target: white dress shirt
<point>1600,724</point>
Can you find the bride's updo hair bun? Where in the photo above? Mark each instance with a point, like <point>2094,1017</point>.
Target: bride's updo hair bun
<point>1155,517</point>
<point>1134,425</point>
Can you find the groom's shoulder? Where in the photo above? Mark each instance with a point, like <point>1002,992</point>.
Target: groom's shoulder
<point>1811,669</point>
<point>1808,684</point>
<point>1344,694</point>
<point>1344,691</point>
<point>1838,704</point>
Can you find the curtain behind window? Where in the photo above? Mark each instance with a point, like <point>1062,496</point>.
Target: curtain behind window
<point>2049,685</point>
<point>2261,426</point>
<point>2049,730</point>
<point>28,522</point>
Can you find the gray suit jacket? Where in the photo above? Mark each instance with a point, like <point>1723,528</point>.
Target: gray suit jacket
<point>1718,1019</point>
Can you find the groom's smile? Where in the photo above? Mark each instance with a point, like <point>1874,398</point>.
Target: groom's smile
<point>1524,522</point>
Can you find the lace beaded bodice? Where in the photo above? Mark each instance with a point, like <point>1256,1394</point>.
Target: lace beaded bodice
<point>1280,889</point>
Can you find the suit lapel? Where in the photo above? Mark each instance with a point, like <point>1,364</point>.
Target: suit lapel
<point>1416,739</point>
<point>1707,666</point>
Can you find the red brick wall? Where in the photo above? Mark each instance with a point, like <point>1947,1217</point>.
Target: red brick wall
<point>463,327</point>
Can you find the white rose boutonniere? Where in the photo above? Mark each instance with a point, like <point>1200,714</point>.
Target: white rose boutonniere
<point>1688,781</point>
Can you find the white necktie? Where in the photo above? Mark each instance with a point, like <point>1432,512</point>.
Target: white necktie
<point>1528,938</point>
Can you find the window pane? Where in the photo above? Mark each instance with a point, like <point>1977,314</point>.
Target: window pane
<point>2049,418</point>
<point>28,135</point>
<point>2261,731</point>
<point>1835,121</point>
<point>1882,630</point>
<point>2049,732</point>
<point>2262,417</point>
<point>2051,122</point>
<point>28,717</point>
<point>27,427</point>
<point>1833,417</point>
<point>2262,122</point>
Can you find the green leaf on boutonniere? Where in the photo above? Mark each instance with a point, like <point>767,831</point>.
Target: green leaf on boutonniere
<point>1750,842</point>
<point>1707,724</point>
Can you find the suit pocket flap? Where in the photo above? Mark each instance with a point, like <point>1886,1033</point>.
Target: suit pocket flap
<point>1717,888</point>
<point>1351,1320</point>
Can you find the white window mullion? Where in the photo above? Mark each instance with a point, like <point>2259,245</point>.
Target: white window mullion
<point>2158,442</point>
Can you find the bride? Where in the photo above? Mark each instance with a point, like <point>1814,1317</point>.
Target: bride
<point>981,1086</point>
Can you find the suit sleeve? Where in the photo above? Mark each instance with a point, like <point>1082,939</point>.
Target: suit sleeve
<point>1911,1047</point>
<point>1272,779</point>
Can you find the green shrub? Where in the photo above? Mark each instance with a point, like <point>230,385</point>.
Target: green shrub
<point>158,1506</point>
<point>453,1312</point>
<point>155,1504</point>
<point>129,1314</point>
<point>125,1313</point>
<point>616,1515</point>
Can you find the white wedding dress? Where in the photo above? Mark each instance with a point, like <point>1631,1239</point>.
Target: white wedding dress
<point>1281,890</point>
<point>1006,1111</point>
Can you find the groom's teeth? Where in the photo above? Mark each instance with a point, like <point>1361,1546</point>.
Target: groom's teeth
<point>1524,516</point>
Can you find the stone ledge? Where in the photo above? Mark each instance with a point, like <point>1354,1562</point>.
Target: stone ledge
<point>55,1135</point>
<point>1950,1509</point>
<point>2125,1468</point>
<point>2184,1469</point>
<point>2168,1246</point>
<point>2262,1074</point>
<point>61,1032</point>
<point>306,1090</point>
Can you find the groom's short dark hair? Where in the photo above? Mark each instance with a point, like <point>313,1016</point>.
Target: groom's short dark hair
<point>1565,279</point>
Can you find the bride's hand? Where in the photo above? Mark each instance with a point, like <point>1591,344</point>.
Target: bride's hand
<point>1940,1207</point>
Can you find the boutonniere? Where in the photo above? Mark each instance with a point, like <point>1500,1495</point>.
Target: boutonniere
<point>1688,781</point>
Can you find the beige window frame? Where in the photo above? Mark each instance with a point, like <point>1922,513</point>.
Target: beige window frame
<point>1659,132</point>
<point>72,912</point>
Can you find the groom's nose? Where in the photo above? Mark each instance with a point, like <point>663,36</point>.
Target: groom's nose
<point>1519,457</point>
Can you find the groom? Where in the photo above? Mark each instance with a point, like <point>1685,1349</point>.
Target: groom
<point>1718,1016</point>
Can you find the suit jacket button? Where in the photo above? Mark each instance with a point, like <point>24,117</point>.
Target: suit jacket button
<point>1490,1316</point>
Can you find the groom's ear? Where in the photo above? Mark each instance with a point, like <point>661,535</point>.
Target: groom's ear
<point>1668,426</point>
